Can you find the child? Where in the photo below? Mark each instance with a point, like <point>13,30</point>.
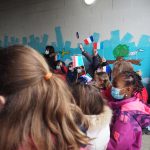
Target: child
<point>96,62</point>
<point>50,56</point>
<point>61,69</point>
<point>71,74</point>
<point>121,66</point>
<point>98,113</point>
<point>80,71</point>
<point>103,83</point>
<point>130,114</point>
<point>36,112</point>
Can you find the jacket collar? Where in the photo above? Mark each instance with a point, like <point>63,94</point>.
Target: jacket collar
<point>119,104</point>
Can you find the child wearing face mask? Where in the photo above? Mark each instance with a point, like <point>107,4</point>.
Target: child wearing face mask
<point>50,56</point>
<point>61,69</point>
<point>120,66</point>
<point>81,71</point>
<point>71,74</point>
<point>74,74</point>
<point>103,83</point>
<point>130,114</point>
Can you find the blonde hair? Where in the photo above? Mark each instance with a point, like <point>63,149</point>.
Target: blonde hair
<point>37,112</point>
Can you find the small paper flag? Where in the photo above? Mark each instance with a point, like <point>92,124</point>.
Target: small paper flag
<point>107,69</point>
<point>77,61</point>
<point>89,40</point>
<point>96,45</point>
<point>87,77</point>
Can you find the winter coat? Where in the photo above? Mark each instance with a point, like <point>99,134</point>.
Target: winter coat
<point>51,61</point>
<point>62,72</point>
<point>130,116</point>
<point>94,61</point>
<point>71,77</point>
<point>94,64</point>
<point>99,129</point>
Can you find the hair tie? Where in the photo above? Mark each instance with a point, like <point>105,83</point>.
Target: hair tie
<point>48,76</point>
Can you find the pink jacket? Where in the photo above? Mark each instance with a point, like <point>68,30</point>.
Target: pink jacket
<point>130,116</point>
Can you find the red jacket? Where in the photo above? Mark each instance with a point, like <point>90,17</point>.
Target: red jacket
<point>62,72</point>
<point>143,95</point>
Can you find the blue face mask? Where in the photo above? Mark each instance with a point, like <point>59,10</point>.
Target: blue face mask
<point>46,52</point>
<point>79,70</point>
<point>58,67</point>
<point>115,92</point>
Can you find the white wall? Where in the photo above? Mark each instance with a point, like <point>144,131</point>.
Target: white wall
<point>22,18</point>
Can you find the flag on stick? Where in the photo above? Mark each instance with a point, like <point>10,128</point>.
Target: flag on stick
<point>77,61</point>
<point>89,40</point>
<point>96,45</point>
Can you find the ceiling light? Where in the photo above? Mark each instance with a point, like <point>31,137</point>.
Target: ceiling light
<point>89,2</point>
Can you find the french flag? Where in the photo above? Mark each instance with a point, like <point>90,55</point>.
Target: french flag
<point>96,45</point>
<point>77,61</point>
<point>88,77</point>
<point>89,40</point>
<point>107,69</point>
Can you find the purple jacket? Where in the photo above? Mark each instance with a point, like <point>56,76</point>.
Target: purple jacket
<point>130,116</point>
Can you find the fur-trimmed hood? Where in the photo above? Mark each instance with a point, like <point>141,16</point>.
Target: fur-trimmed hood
<point>100,121</point>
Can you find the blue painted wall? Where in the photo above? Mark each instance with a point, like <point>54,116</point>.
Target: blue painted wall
<point>106,47</point>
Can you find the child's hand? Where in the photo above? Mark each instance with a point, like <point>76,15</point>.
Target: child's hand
<point>103,59</point>
<point>81,47</point>
<point>95,52</point>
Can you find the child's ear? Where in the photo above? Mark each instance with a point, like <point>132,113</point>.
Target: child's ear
<point>2,100</point>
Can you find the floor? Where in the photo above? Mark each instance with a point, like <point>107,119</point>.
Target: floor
<point>146,142</point>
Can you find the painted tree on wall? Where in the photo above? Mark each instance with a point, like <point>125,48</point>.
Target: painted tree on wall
<point>120,52</point>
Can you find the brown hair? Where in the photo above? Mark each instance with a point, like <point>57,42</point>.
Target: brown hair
<point>37,111</point>
<point>88,98</point>
<point>130,79</point>
<point>121,66</point>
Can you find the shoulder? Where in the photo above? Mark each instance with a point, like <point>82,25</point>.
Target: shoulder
<point>101,120</point>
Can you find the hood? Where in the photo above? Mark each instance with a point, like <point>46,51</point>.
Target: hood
<point>131,104</point>
<point>136,108</point>
<point>118,104</point>
<point>101,120</point>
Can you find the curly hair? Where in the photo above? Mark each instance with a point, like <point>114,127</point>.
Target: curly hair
<point>131,78</point>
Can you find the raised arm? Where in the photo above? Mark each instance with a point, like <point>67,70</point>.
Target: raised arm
<point>84,53</point>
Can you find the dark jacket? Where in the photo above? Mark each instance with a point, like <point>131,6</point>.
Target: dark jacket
<point>51,61</point>
<point>94,62</point>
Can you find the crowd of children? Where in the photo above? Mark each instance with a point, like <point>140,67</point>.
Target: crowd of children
<point>51,106</point>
